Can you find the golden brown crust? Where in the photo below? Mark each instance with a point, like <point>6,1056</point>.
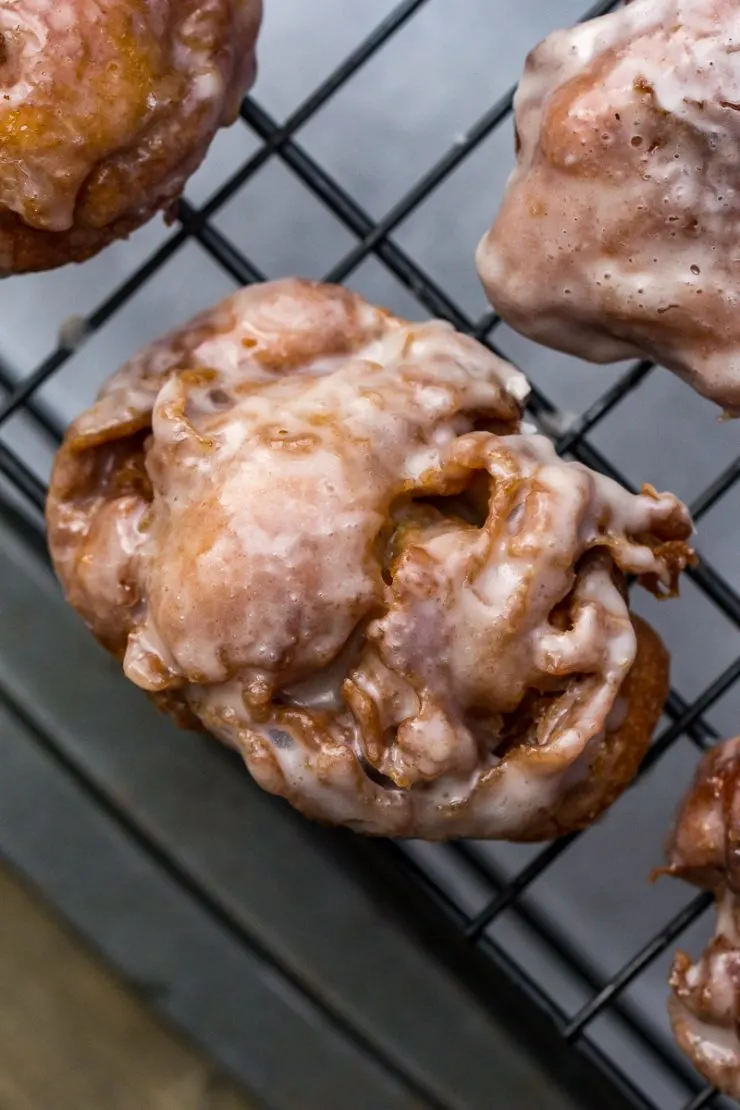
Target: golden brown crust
<point>619,757</point>
<point>704,849</point>
<point>315,529</point>
<point>106,109</point>
<point>618,231</point>
<point>704,845</point>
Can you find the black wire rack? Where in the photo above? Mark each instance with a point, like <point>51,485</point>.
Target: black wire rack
<point>559,1038</point>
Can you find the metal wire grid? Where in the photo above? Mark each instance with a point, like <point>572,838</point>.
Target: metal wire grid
<point>374,238</point>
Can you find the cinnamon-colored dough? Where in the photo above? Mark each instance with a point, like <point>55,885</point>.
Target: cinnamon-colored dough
<point>704,849</point>
<point>317,531</point>
<point>106,108</point>
<point>619,235</point>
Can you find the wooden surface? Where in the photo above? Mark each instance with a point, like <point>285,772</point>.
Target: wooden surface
<point>73,1038</point>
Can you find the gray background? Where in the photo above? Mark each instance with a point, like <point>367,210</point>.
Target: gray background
<point>377,137</point>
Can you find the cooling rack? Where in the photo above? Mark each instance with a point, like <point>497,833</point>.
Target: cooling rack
<point>464,939</point>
